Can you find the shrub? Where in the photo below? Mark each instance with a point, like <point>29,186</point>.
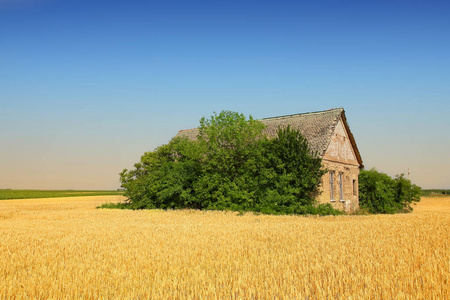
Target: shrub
<point>232,166</point>
<point>406,193</point>
<point>164,178</point>
<point>298,171</point>
<point>379,193</point>
<point>119,205</point>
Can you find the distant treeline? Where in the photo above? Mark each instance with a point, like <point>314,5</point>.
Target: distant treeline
<point>435,192</point>
<point>29,194</point>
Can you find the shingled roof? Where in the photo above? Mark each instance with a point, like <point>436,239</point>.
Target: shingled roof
<point>316,127</point>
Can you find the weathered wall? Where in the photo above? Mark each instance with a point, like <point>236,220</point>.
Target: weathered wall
<point>340,149</point>
<point>350,173</point>
<point>340,158</point>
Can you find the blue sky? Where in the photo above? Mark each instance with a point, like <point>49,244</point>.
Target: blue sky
<point>86,87</point>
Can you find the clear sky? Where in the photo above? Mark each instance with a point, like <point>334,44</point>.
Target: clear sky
<point>86,87</point>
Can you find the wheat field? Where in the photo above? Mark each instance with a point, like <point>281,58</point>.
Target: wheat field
<point>65,248</point>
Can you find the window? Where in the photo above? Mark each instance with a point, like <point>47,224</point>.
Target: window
<point>341,186</point>
<point>332,185</point>
<point>354,187</point>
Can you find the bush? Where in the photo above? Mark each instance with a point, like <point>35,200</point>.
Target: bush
<point>232,166</point>
<point>119,205</point>
<point>440,192</point>
<point>298,171</point>
<point>164,178</point>
<point>379,193</point>
<point>406,193</point>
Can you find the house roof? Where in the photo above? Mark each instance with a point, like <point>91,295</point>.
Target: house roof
<point>316,127</point>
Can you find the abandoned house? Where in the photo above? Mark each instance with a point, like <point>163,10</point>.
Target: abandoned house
<point>328,135</point>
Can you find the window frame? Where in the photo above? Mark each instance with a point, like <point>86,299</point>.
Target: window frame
<point>332,176</point>
<point>341,186</point>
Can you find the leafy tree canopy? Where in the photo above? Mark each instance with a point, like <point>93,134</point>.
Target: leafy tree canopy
<point>231,166</point>
<point>379,193</point>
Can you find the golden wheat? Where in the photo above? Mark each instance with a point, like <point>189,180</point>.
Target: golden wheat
<point>65,248</point>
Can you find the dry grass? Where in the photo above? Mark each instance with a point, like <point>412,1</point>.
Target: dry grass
<point>433,204</point>
<point>65,248</point>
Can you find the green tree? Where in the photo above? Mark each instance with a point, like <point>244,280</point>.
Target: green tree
<point>291,154</point>
<point>379,193</point>
<point>230,141</point>
<point>406,193</point>
<point>231,166</point>
<point>164,177</point>
<point>233,155</point>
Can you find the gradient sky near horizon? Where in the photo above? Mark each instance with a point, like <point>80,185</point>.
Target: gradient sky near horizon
<point>86,87</point>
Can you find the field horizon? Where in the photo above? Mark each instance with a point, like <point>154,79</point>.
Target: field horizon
<point>9,194</point>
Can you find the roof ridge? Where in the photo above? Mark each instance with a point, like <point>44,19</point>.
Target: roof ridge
<point>187,129</point>
<point>307,113</point>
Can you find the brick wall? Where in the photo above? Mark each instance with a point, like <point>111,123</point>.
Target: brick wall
<point>348,201</point>
<point>340,159</point>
